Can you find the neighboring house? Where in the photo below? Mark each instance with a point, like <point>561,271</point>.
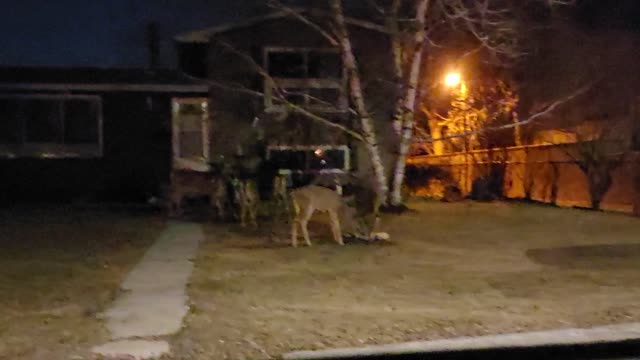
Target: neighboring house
<point>93,133</point>
<point>303,66</point>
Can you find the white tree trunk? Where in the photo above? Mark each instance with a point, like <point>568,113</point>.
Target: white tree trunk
<point>409,103</point>
<point>355,89</point>
<point>398,64</point>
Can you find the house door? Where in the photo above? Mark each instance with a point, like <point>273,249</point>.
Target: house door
<point>190,134</point>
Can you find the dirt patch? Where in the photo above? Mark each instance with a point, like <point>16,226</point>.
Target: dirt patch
<point>587,256</point>
<point>453,270</point>
<point>59,267</point>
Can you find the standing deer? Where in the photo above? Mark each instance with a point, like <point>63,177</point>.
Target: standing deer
<point>280,196</point>
<point>306,200</point>
<point>193,183</point>
<point>247,199</point>
<point>218,199</point>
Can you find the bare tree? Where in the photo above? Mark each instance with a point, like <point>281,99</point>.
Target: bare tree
<point>598,125</point>
<point>600,148</point>
<point>492,24</point>
<point>473,109</point>
<point>410,25</point>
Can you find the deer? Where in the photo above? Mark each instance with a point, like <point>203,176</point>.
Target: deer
<point>191,183</point>
<point>218,197</point>
<point>182,184</point>
<point>311,198</point>
<point>247,199</point>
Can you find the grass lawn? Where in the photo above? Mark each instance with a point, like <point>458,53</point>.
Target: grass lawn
<point>452,270</point>
<point>59,267</point>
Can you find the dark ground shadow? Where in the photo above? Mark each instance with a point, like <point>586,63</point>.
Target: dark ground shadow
<point>282,244</point>
<point>622,350</point>
<point>589,256</point>
<point>261,246</point>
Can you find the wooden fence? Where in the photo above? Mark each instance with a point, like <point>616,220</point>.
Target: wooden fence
<point>539,172</point>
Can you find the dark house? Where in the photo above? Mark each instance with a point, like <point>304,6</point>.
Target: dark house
<point>91,134</point>
<point>302,67</point>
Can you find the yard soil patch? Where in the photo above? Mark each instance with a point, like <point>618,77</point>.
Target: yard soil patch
<point>458,269</point>
<point>59,268</point>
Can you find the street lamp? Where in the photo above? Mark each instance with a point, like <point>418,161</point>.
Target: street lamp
<point>452,79</point>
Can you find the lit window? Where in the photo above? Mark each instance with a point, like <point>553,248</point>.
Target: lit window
<point>190,134</point>
<point>310,158</point>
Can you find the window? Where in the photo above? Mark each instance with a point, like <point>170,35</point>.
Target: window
<point>81,122</point>
<point>287,65</point>
<point>324,65</point>
<point>190,134</point>
<point>310,159</point>
<point>50,126</point>
<point>307,77</point>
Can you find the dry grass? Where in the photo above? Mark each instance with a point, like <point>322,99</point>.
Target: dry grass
<point>454,269</point>
<point>59,267</point>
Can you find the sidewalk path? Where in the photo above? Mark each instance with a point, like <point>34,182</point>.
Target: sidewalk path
<point>153,301</point>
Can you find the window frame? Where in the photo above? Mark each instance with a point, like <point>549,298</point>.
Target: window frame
<point>345,148</point>
<point>180,162</point>
<point>304,83</point>
<point>57,149</point>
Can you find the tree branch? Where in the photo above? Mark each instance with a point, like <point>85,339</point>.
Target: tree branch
<point>549,109</point>
<point>280,94</point>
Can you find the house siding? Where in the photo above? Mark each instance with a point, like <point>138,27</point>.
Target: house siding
<point>135,162</point>
<point>234,112</point>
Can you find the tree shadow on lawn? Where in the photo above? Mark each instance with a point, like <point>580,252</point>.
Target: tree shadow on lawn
<point>588,256</point>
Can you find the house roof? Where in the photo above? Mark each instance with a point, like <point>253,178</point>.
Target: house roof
<point>203,35</point>
<point>98,79</point>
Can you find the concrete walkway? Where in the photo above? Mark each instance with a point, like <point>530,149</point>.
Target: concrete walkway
<point>153,301</point>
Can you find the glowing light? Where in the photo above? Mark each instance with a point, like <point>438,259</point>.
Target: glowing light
<point>318,152</point>
<point>452,79</point>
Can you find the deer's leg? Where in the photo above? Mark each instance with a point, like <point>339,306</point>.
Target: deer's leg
<point>254,214</point>
<point>171,206</point>
<point>213,205</point>
<point>243,215</point>
<point>305,232</point>
<point>175,205</point>
<point>335,227</point>
<point>284,201</point>
<point>294,233</point>
<point>221,212</point>
<point>306,215</point>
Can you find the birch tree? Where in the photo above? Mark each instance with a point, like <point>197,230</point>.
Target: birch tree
<point>355,90</point>
<point>409,102</point>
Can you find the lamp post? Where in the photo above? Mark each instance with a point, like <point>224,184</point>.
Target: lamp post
<point>454,80</point>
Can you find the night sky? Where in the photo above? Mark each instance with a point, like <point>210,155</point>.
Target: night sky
<point>102,32</point>
<point>112,32</point>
